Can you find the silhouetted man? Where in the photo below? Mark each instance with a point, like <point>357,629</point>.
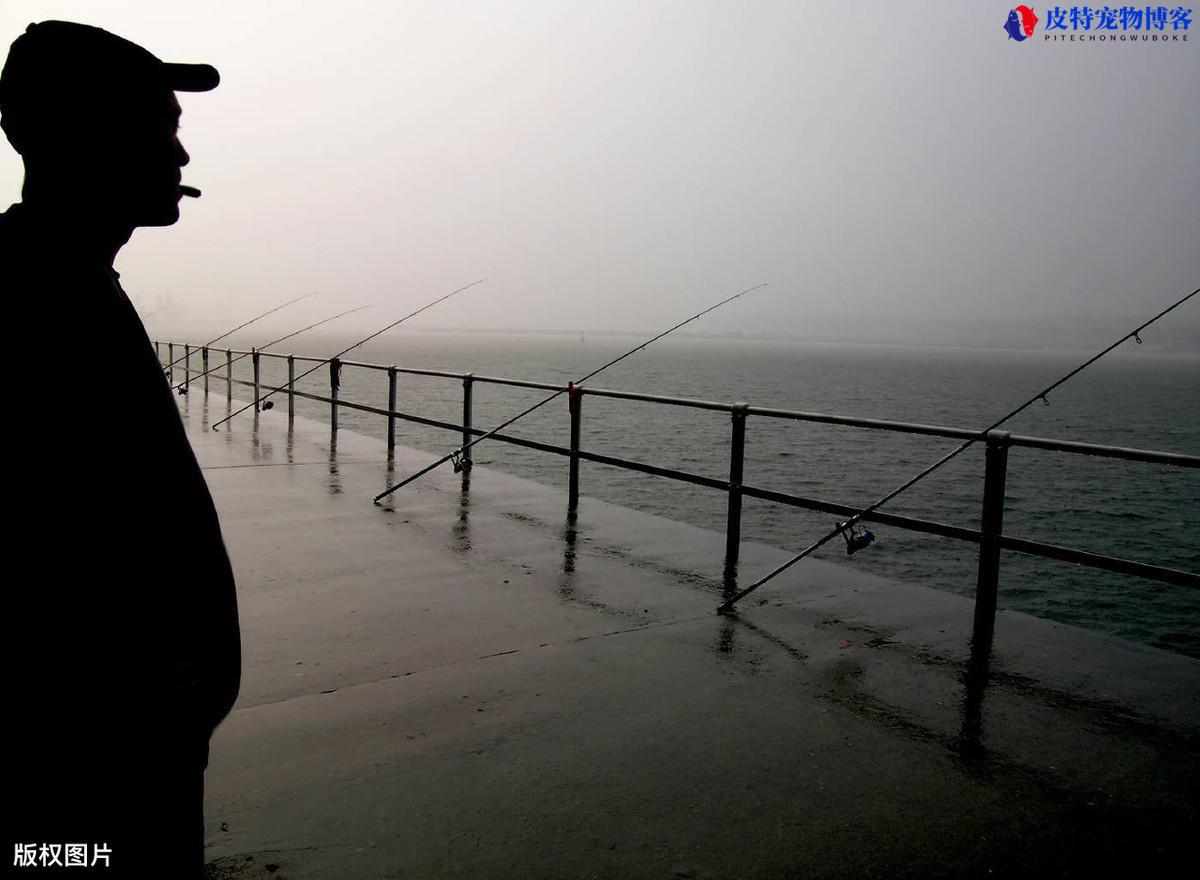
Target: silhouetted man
<point>120,628</point>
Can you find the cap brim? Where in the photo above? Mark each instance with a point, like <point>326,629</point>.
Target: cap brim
<point>191,77</point>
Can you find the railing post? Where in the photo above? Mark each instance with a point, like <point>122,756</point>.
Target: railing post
<point>291,389</point>
<point>171,364</point>
<point>391,409</point>
<point>204,367</point>
<point>991,528</point>
<point>575,406</point>
<point>257,394</point>
<point>158,350</point>
<point>228,377</point>
<point>468,407</point>
<point>733,519</point>
<point>187,365</point>
<point>335,382</point>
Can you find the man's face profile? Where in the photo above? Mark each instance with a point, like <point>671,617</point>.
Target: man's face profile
<point>127,161</point>
<point>145,161</point>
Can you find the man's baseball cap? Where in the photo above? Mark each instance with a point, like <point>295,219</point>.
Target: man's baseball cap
<point>60,66</point>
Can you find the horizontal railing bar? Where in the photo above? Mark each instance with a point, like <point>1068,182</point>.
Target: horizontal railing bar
<point>265,389</point>
<point>441,374</point>
<point>1045,443</point>
<point>690,402</point>
<point>423,420</point>
<point>506,438</point>
<point>361,407</point>
<point>522,441</point>
<point>379,368</point>
<point>669,473</point>
<point>626,464</point>
<point>451,426</point>
<point>854,422</point>
<point>411,371</point>
<point>1096,560</point>
<point>267,354</point>
<point>517,383</point>
<point>928,527</point>
<point>1175,459</point>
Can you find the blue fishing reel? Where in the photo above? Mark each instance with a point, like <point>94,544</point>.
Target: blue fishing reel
<point>856,539</point>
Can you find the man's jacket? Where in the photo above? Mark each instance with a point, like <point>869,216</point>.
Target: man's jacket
<point>120,629</point>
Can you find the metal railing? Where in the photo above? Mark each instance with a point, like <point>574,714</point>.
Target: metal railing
<point>990,536</point>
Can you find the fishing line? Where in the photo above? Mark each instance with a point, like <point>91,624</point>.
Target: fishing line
<point>246,324</point>
<point>364,341</point>
<point>859,541</point>
<point>182,390</point>
<point>456,455</point>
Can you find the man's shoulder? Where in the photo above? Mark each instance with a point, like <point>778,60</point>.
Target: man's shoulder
<point>22,248</point>
<point>11,227</point>
<point>14,221</point>
<point>19,277</point>
<point>47,294</point>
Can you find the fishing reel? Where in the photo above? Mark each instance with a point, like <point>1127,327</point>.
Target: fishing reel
<point>856,539</point>
<point>181,391</point>
<point>460,462</point>
<point>268,404</point>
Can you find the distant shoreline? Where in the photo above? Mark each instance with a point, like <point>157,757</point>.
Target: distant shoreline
<point>1148,348</point>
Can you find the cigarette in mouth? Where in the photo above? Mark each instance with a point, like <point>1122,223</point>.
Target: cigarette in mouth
<point>189,191</point>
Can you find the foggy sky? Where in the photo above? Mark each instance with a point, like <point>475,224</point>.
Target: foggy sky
<point>618,165</point>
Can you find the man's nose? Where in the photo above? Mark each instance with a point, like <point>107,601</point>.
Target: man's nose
<point>181,155</point>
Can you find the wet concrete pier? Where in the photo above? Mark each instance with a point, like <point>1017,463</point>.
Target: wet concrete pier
<point>469,685</point>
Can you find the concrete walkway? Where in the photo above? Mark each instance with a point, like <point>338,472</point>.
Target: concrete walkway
<point>468,685</point>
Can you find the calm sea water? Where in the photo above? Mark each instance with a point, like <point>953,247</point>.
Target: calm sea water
<point>1134,398</point>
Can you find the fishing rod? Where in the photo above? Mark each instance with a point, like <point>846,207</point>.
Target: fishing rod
<point>320,364</point>
<point>856,541</point>
<point>183,390</point>
<point>245,324</point>
<point>456,455</point>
